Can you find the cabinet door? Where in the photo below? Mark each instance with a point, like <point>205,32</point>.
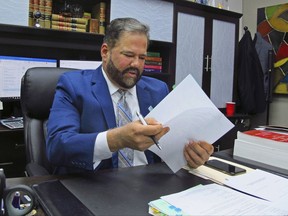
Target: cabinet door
<point>205,48</point>
<point>222,62</point>
<point>157,14</point>
<point>190,47</point>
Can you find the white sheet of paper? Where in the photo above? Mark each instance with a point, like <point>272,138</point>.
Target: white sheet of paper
<point>261,184</point>
<point>215,199</point>
<point>191,115</point>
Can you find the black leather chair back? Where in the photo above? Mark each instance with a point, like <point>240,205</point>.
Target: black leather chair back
<point>37,94</point>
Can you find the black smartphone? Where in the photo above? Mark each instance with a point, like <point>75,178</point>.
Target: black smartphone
<point>224,167</point>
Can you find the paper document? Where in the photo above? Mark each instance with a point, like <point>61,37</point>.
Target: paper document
<point>215,199</point>
<point>191,115</point>
<point>261,184</point>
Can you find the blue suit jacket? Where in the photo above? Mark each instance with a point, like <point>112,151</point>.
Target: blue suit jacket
<point>81,109</point>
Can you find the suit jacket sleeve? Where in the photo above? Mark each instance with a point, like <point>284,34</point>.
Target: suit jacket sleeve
<point>68,143</point>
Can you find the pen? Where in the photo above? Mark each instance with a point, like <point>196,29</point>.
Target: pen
<point>145,123</point>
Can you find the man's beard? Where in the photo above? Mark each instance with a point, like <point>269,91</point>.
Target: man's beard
<point>118,76</point>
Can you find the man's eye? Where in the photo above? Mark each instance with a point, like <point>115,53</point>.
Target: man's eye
<point>129,55</point>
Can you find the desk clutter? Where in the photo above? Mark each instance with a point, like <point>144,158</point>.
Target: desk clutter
<point>230,195</point>
<point>16,201</point>
<point>159,191</point>
<point>267,145</point>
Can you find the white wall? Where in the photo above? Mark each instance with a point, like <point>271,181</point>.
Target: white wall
<point>14,12</point>
<point>279,106</point>
<point>236,6</point>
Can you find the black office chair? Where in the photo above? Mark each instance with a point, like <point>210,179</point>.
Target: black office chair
<point>37,94</point>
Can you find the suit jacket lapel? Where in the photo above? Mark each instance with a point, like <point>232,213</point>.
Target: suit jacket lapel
<point>102,94</point>
<point>144,98</point>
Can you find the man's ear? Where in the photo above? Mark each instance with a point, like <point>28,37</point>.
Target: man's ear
<point>104,51</point>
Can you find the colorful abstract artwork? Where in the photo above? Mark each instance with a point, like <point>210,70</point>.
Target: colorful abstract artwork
<point>272,24</point>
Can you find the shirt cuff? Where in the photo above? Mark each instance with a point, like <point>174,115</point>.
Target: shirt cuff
<point>101,149</point>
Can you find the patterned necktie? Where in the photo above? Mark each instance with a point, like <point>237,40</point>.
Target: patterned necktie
<point>124,116</point>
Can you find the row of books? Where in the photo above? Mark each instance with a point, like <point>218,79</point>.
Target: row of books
<point>265,145</point>
<point>93,22</point>
<point>44,8</point>
<point>153,62</point>
<point>69,23</point>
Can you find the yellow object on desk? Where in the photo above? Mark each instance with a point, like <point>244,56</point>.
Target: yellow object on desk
<point>214,175</point>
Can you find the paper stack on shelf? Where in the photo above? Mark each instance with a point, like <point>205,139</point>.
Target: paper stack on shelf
<point>264,146</point>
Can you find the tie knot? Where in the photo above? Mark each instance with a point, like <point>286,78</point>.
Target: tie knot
<point>122,92</point>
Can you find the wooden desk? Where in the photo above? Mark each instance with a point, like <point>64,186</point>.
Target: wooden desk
<point>125,191</point>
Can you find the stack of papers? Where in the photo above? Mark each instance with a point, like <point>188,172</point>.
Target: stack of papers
<point>264,194</point>
<point>190,115</point>
<point>160,207</point>
<point>258,145</point>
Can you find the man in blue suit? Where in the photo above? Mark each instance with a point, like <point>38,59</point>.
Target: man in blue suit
<point>82,131</point>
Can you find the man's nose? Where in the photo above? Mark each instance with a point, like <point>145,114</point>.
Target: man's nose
<point>136,61</point>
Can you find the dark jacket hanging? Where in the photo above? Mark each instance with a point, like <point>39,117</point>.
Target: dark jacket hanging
<point>262,48</point>
<point>251,96</point>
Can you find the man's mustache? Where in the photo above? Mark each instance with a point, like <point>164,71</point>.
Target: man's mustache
<point>132,69</point>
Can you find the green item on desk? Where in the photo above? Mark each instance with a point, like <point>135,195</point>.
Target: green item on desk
<point>160,207</point>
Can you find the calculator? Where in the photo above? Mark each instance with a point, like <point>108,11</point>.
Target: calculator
<point>13,123</point>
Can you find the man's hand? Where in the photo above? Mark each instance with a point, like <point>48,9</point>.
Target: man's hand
<point>135,135</point>
<point>197,153</point>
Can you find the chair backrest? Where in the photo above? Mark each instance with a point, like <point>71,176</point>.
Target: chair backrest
<point>37,93</point>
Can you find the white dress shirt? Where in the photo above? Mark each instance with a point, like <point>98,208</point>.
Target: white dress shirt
<point>101,149</point>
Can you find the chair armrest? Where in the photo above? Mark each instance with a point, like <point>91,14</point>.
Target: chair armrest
<point>34,169</point>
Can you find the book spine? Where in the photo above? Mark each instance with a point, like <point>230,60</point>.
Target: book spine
<point>153,62</point>
<point>68,24</point>
<point>262,141</point>
<point>102,18</point>
<point>87,15</point>
<point>57,17</point>
<point>152,58</point>
<point>99,13</point>
<point>158,67</point>
<point>268,135</point>
<point>153,54</point>
<point>94,26</point>
<point>47,13</point>
<point>68,28</point>
<point>151,70</point>
<point>30,15</point>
